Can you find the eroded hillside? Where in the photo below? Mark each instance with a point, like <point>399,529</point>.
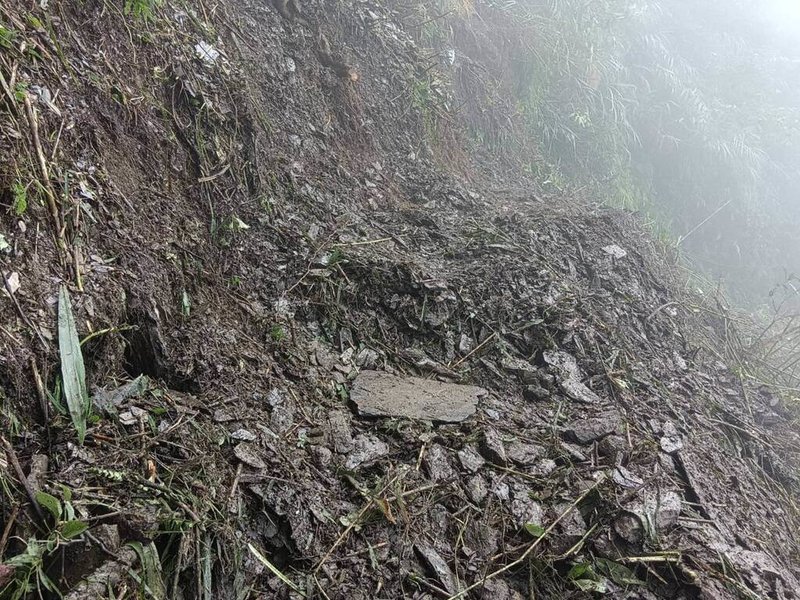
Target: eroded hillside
<point>250,204</point>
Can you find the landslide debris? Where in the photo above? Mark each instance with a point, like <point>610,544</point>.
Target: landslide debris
<point>247,235</point>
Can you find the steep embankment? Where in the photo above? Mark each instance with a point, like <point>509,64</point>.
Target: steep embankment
<point>244,224</point>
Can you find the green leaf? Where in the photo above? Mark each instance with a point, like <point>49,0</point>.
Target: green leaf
<point>619,574</point>
<point>535,530</point>
<point>20,193</point>
<point>72,529</point>
<point>73,371</point>
<point>579,570</point>
<point>66,492</point>
<point>51,503</point>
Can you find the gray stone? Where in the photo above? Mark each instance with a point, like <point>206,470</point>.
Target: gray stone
<point>566,369</point>
<point>524,454</point>
<point>671,442</point>
<point>470,459</point>
<point>526,510</point>
<point>436,463</point>
<point>497,589</point>
<point>249,455</point>
<point>341,438</point>
<point>535,393</point>
<point>477,490</point>
<point>523,369</point>
<point>366,449</point>
<point>613,447</point>
<point>585,431</point>
<point>438,567</point>
<point>492,447</point>
<point>629,527</point>
<point>379,394</point>
<point>243,435</point>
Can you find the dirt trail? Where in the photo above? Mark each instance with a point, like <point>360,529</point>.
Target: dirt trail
<point>245,226</point>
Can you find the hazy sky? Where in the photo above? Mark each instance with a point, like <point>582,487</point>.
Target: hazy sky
<point>785,14</point>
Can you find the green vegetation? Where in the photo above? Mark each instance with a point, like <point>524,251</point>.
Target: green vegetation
<point>20,198</point>
<point>143,10</point>
<point>688,112</point>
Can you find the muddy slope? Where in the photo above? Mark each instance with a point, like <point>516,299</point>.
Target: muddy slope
<point>250,206</point>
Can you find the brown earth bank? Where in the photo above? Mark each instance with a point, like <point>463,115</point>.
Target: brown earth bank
<point>263,210</point>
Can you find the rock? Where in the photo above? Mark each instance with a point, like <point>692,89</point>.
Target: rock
<point>574,451</point>
<point>366,449</point>
<point>523,369</point>
<point>497,589</point>
<point>668,510</point>
<point>566,368</point>
<point>108,534</point>
<point>476,489</point>
<point>438,567</point>
<point>470,459</point>
<point>367,358</point>
<point>524,454</point>
<point>544,468</point>
<point>436,463</point>
<point>37,476</point>
<point>629,527</point>
<point>569,530</point>
<point>585,431</point>
<point>615,251</point>
<point>6,575</point>
<point>322,456</point>
<point>224,415</point>
<point>131,417</point>
<point>243,435</point>
<point>500,489</point>
<point>248,454</point>
<point>526,510</point>
<point>624,478</point>
<point>379,394</point>
<point>613,447</point>
<point>341,437</point>
<point>535,393</point>
<point>671,442</point>
<point>492,447</point>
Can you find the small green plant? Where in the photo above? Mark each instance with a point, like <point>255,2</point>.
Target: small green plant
<point>6,37</point>
<point>19,195</point>
<point>20,90</point>
<point>30,576</point>
<point>143,10</point>
<point>277,333</point>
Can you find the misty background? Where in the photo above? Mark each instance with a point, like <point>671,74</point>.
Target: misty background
<point>688,112</point>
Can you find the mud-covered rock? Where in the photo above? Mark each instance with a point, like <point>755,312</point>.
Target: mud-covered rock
<point>492,447</point>
<point>380,394</point>
<point>587,430</point>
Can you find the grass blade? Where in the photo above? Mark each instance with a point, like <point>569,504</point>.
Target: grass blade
<point>73,373</point>
<point>263,560</point>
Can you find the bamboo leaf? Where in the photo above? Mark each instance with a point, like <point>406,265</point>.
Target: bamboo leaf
<point>73,373</point>
<point>72,529</point>
<point>51,503</point>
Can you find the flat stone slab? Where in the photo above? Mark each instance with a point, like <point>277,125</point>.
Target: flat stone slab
<point>379,394</point>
